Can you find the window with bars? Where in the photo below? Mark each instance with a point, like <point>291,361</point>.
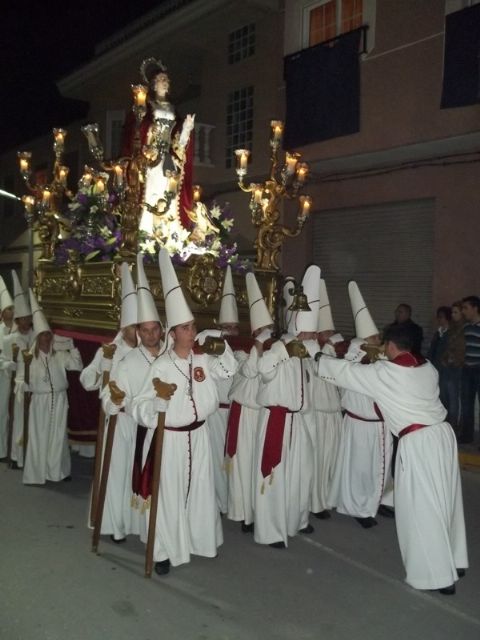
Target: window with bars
<point>330,18</point>
<point>239,123</point>
<point>241,43</point>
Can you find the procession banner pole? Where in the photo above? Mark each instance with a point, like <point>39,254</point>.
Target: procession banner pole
<point>117,396</point>
<point>108,351</point>
<point>11,407</point>
<point>164,391</point>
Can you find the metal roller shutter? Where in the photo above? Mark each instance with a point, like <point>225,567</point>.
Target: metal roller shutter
<point>388,250</point>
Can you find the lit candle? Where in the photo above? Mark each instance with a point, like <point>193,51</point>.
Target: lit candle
<point>87,176</point>
<point>242,160</point>
<point>302,170</point>
<point>277,131</point>
<point>291,160</point>
<point>29,203</point>
<point>306,202</point>
<point>62,174</point>
<point>59,140</point>
<point>197,192</point>
<point>118,174</point>
<point>24,158</point>
<point>99,185</point>
<point>90,131</point>
<point>46,195</point>
<point>257,193</point>
<point>139,94</point>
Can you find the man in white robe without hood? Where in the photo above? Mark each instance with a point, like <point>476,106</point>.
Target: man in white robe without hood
<point>48,454</point>
<point>428,496</point>
<point>129,376</point>
<point>188,519</point>
<point>363,469</point>
<point>117,516</point>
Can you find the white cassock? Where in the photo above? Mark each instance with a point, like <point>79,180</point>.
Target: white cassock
<point>245,410</point>
<point>5,385</point>
<point>130,375</point>
<point>325,432</point>
<point>428,495</point>
<point>363,464</point>
<point>116,511</point>
<point>24,341</point>
<point>188,519</point>
<point>282,497</point>
<point>48,455</point>
<point>217,429</point>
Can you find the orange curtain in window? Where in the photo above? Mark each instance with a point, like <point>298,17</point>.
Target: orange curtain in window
<point>352,15</point>
<point>323,23</point>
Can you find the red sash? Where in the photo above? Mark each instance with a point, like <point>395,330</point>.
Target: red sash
<point>272,447</point>
<point>410,429</point>
<point>232,429</point>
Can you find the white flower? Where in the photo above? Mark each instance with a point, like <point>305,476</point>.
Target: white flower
<point>74,206</point>
<point>215,212</point>
<point>93,208</point>
<point>227,224</point>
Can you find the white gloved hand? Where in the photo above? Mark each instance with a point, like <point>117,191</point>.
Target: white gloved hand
<point>355,353</point>
<point>159,404</point>
<point>203,335</point>
<point>264,335</point>
<point>106,364</point>
<point>11,366</point>
<point>312,347</point>
<point>337,337</point>
<point>114,409</point>
<point>287,338</point>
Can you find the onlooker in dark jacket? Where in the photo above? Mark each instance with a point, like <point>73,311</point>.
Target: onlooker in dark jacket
<point>403,316</point>
<point>471,370</point>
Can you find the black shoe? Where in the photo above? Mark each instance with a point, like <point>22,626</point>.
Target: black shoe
<point>307,530</point>
<point>448,591</point>
<point>162,568</point>
<point>323,515</point>
<point>463,439</point>
<point>366,523</point>
<point>67,479</point>
<point>13,466</point>
<point>277,545</point>
<point>247,528</point>
<point>118,540</point>
<point>461,573</point>
<point>386,512</point>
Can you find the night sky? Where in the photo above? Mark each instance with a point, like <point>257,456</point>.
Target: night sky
<point>41,42</point>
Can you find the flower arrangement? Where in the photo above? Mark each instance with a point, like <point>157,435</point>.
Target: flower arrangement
<point>210,235</point>
<point>93,226</point>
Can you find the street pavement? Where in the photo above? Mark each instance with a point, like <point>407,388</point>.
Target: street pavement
<point>341,583</point>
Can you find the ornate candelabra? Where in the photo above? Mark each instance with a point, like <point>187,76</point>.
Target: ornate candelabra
<point>285,182</point>
<point>43,204</point>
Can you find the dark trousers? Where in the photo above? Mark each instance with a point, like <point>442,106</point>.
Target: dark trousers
<point>450,389</point>
<point>470,390</point>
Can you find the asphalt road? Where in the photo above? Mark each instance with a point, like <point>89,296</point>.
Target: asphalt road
<point>342,582</point>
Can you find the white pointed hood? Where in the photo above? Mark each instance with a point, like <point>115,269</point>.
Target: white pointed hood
<point>288,289</point>
<point>147,310</point>
<point>228,305</point>
<point>38,317</point>
<point>259,314</point>
<point>364,324</point>
<point>5,297</point>
<point>176,307</point>
<point>22,308</point>
<point>129,312</point>
<point>325,319</point>
<point>308,320</point>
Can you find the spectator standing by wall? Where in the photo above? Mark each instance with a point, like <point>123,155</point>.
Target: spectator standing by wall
<point>471,370</point>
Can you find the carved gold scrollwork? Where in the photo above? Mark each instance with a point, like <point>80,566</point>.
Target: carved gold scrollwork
<point>97,286</point>
<point>205,281</point>
<point>72,312</point>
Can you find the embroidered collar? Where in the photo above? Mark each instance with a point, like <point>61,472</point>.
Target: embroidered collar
<point>407,359</point>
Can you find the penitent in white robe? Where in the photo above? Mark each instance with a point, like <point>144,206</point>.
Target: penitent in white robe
<point>122,513</point>
<point>24,341</point>
<point>188,520</point>
<point>5,386</point>
<point>241,466</point>
<point>428,495</point>
<point>48,455</point>
<point>282,499</point>
<point>325,431</point>
<point>117,504</point>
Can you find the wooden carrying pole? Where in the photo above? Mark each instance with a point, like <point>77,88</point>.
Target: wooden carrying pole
<point>11,407</point>
<point>108,351</point>
<point>164,391</point>
<point>27,360</point>
<point>117,396</point>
